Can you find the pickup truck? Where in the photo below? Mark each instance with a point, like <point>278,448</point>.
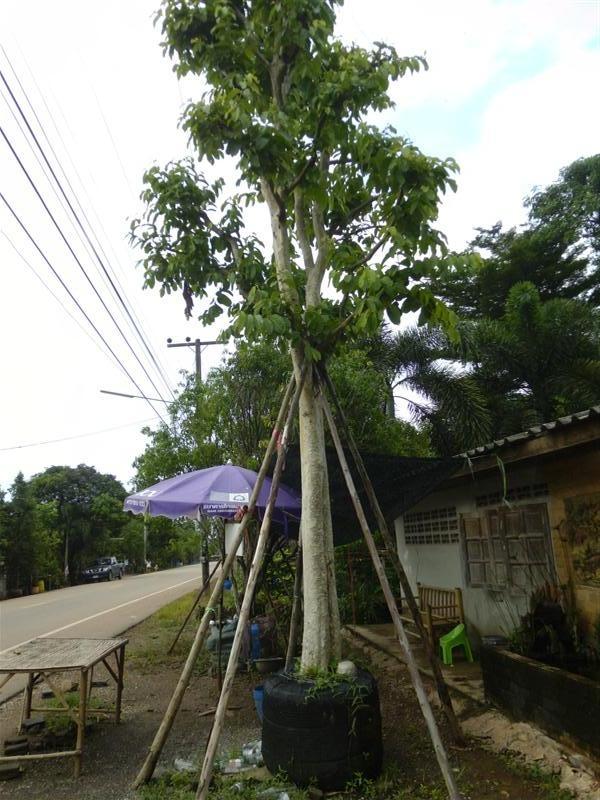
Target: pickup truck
<point>103,569</point>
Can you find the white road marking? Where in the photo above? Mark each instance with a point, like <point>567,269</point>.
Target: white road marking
<point>99,614</point>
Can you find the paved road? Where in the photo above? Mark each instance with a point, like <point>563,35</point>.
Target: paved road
<point>91,610</point>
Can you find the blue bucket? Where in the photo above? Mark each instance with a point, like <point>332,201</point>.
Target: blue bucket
<point>258,694</point>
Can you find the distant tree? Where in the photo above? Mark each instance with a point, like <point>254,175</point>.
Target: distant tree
<point>540,360</point>
<point>572,204</point>
<point>558,250</point>
<point>86,510</point>
<point>361,384</point>
<point>19,521</point>
<point>422,368</point>
<point>231,415</point>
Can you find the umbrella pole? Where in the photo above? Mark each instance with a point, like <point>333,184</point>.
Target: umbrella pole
<point>413,669</point>
<point>257,560</point>
<point>392,554</point>
<point>220,618</point>
<point>164,729</point>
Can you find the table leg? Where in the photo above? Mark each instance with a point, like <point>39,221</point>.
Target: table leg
<point>81,719</point>
<point>27,698</point>
<point>120,657</point>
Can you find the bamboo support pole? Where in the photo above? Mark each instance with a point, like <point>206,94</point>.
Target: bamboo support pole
<point>413,669</point>
<point>255,568</point>
<point>203,588</point>
<point>392,555</point>
<point>296,608</point>
<point>164,729</point>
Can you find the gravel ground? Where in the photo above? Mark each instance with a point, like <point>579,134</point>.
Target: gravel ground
<point>114,754</point>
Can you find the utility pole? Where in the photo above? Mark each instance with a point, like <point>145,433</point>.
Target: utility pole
<point>198,345</point>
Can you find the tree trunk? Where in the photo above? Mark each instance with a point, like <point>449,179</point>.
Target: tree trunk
<point>321,642</point>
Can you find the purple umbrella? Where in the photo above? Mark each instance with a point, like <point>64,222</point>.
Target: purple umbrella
<point>212,492</point>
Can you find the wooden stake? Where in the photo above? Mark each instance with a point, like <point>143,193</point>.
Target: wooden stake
<point>27,697</point>
<point>255,568</point>
<point>162,733</point>
<point>81,718</point>
<point>296,608</point>
<point>415,675</point>
<point>394,558</point>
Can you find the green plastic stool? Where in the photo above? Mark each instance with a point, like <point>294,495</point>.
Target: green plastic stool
<point>455,638</point>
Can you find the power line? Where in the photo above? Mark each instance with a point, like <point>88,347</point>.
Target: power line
<point>44,169</point>
<point>142,335</point>
<point>74,299</point>
<point>54,295</point>
<point>75,436</point>
<point>81,267</point>
<point>77,219</point>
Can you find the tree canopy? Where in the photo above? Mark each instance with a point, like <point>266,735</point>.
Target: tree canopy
<point>88,507</point>
<point>558,250</point>
<point>540,360</point>
<point>352,210</point>
<point>231,415</point>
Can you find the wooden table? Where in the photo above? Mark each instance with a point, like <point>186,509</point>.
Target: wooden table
<point>42,659</point>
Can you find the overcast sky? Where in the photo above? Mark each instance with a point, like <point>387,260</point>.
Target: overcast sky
<point>511,93</point>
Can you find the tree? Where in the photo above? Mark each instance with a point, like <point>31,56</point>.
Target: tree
<point>558,250</point>
<point>351,208</point>
<point>88,510</point>
<point>20,525</point>
<point>422,368</point>
<point>231,415</point>
<point>572,204</point>
<point>539,361</point>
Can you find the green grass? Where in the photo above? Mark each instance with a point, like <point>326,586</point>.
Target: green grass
<point>152,638</point>
<point>548,784</point>
<point>178,786</point>
<point>62,724</point>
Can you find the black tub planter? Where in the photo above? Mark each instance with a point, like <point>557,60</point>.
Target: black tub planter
<point>326,736</point>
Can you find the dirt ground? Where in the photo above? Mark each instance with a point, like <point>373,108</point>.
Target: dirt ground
<point>114,754</point>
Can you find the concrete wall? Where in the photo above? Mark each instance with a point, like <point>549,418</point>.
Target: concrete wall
<point>562,703</point>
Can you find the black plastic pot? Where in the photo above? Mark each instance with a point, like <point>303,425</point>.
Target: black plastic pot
<point>324,737</point>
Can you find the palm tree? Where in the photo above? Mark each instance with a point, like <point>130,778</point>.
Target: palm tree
<point>422,368</point>
<point>539,361</point>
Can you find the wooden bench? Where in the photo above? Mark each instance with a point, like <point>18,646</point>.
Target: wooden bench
<point>440,608</point>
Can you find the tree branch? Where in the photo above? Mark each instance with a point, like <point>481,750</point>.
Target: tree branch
<point>301,233</point>
<point>313,284</point>
<point>368,256</point>
<point>357,209</point>
<point>281,245</point>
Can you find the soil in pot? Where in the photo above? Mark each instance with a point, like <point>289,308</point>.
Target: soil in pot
<point>324,735</point>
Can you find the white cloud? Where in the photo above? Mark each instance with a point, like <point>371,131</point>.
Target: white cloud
<point>528,132</point>
<point>467,43</point>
